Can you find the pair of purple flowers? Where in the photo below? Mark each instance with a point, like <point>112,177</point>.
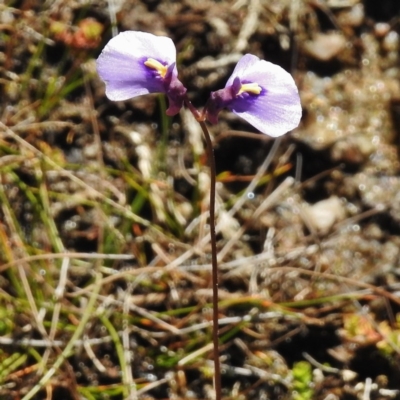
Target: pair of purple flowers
<point>137,63</point>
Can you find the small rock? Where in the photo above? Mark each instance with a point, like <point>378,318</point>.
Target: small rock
<point>324,47</point>
<point>324,214</point>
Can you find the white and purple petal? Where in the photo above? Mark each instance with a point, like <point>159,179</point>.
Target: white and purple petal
<point>277,109</point>
<point>121,64</point>
<point>271,103</point>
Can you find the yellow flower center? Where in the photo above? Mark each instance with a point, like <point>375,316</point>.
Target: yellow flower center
<point>253,88</point>
<point>154,64</point>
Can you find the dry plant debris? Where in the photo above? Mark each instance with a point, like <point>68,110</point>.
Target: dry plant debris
<point>104,261</point>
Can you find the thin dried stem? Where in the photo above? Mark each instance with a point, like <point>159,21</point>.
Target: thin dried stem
<point>68,349</point>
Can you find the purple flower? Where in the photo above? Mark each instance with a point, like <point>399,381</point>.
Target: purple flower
<point>137,63</point>
<point>262,93</point>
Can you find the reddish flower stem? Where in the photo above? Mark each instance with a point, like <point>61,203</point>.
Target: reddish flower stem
<point>213,173</point>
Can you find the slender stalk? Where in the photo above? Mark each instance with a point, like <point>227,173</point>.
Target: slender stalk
<point>200,117</point>
<point>213,173</point>
<point>214,262</point>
